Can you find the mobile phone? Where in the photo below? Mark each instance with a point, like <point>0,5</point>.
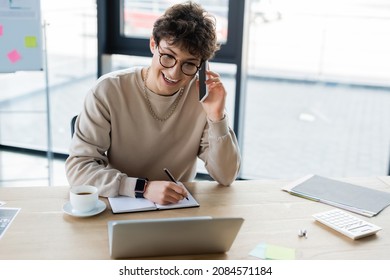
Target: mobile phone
<point>203,93</point>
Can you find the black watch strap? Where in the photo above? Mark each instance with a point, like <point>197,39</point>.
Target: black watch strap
<point>140,187</point>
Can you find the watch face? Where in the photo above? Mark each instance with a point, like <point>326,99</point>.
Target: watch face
<point>140,186</point>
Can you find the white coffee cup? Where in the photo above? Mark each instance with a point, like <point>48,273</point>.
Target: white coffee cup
<point>83,198</point>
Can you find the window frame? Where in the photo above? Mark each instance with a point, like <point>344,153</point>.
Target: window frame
<point>112,41</point>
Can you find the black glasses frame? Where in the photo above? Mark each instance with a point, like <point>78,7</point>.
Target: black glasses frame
<point>181,66</point>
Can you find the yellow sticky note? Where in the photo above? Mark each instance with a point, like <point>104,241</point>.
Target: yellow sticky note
<point>274,252</point>
<point>30,42</point>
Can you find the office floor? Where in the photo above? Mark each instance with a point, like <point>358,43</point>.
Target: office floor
<point>334,130</point>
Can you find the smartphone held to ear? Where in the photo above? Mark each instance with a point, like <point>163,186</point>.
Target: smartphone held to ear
<point>203,93</point>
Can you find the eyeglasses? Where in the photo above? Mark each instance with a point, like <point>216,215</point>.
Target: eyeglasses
<point>169,61</point>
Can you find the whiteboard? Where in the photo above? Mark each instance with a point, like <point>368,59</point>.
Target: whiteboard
<point>20,36</point>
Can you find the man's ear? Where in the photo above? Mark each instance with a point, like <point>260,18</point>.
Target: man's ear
<point>152,44</point>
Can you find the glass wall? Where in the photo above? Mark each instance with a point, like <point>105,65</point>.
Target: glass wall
<point>318,95</point>
<point>317,92</point>
<point>71,29</point>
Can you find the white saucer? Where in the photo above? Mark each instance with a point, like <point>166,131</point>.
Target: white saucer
<point>100,207</point>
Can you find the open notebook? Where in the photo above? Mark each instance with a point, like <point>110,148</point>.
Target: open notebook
<point>125,204</point>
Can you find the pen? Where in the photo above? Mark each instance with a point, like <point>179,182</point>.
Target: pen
<point>171,177</point>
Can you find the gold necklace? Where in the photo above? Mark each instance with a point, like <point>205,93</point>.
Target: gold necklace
<point>172,108</point>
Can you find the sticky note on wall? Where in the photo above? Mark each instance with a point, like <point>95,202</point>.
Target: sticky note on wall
<point>30,42</point>
<point>1,30</point>
<point>14,56</point>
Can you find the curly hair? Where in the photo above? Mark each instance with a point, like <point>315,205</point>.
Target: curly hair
<point>189,26</point>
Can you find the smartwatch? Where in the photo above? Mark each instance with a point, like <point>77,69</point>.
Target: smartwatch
<point>140,187</point>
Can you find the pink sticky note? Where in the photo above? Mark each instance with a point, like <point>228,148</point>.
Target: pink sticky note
<point>1,30</point>
<point>14,56</point>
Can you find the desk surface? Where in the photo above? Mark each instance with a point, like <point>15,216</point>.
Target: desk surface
<point>42,231</point>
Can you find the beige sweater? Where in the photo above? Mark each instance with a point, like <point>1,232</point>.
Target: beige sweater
<point>117,140</point>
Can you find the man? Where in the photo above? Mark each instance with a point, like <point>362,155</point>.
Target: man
<point>138,121</point>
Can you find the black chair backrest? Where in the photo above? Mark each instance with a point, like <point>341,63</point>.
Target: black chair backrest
<point>72,123</point>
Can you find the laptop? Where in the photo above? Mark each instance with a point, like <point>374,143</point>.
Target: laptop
<point>172,236</point>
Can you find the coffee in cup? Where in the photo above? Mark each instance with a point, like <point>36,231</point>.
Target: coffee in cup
<point>83,198</point>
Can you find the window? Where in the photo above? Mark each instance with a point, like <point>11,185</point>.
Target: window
<point>125,26</point>
<point>318,89</point>
<point>138,16</point>
<point>72,69</point>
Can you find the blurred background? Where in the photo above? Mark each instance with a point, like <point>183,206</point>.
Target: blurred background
<point>317,87</point>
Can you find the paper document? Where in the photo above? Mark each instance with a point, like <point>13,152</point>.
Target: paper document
<point>125,204</point>
<point>7,215</point>
<point>358,199</point>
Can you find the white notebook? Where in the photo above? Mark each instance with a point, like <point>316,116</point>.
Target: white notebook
<point>125,204</point>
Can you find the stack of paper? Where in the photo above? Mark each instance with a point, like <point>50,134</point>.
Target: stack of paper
<point>358,199</point>
<point>7,215</point>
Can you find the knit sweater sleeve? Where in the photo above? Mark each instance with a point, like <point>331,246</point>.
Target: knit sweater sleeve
<point>220,151</point>
<point>87,162</point>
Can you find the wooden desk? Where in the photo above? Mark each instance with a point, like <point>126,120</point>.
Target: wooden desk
<point>42,231</point>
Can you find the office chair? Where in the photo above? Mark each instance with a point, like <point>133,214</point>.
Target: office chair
<point>388,173</point>
<point>72,123</point>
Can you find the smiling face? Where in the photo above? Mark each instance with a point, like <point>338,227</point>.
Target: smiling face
<point>167,81</point>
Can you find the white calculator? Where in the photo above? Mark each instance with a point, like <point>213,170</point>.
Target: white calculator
<point>346,223</point>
